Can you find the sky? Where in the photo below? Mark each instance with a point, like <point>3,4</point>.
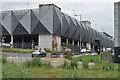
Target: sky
<point>99,13</point>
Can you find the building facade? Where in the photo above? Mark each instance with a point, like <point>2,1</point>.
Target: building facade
<point>47,25</point>
<point>117,31</point>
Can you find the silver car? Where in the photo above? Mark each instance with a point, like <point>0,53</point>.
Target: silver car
<point>36,53</point>
<point>39,53</point>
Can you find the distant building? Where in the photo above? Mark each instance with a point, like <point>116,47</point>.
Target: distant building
<point>106,34</point>
<point>86,23</point>
<point>46,26</point>
<point>117,31</point>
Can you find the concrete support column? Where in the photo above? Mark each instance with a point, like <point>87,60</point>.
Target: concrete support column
<point>103,48</point>
<point>78,43</point>
<point>88,45</point>
<point>45,41</point>
<point>72,42</point>
<point>22,42</point>
<point>59,43</point>
<point>67,40</point>
<point>38,41</point>
<point>11,42</point>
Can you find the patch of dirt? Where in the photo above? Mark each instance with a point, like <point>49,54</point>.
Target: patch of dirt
<point>54,60</point>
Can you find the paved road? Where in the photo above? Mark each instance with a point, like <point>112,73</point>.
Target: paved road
<point>8,54</point>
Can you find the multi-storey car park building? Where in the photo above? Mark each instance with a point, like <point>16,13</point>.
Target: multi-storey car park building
<point>46,23</point>
<point>117,31</point>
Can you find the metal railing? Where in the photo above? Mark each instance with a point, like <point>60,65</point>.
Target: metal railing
<point>22,45</point>
<point>74,48</point>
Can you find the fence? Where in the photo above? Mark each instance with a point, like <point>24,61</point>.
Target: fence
<point>22,45</point>
<point>108,57</point>
<point>74,48</point>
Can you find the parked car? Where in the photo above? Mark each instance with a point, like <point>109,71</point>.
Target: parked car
<point>108,49</point>
<point>85,50</point>
<point>88,50</point>
<point>36,53</point>
<point>39,53</point>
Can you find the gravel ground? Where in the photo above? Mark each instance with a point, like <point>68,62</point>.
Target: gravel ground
<point>54,61</point>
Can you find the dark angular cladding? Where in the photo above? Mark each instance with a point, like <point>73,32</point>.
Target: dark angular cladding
<point>45,16</point>
<point>65,27</point>
<point>40,29</point>
<point>72,30</point>
<point>34,21</point>
<point>48,20</point>
<point>6,22</point>
<point>20,30</point>
<point>56,23</point>
<point>4,31</point>
<point>37,24</point>
<point>26,21</point>
<point>77,36</point>
<point>14,21</point>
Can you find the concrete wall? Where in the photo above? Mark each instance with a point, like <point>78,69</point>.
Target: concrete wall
<point>59,42</point>
<point>117,24</point>
<point>88,45</point>
<point>45,41</point>
<point>117,32</point>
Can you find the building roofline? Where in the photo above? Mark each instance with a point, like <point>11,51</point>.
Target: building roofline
<point>41,5</point>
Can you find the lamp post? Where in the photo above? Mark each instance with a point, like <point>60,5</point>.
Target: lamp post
<point>3,39</point>
<point>73,13</point>
<point>80,16</point>
<point>96,26</point>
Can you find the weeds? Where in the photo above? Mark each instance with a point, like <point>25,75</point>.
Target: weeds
<point>73,64</point>
<point>35,63</point>
<point>66,64</point>
<point>85,65</point>
<point>70,64</point>
<point>4,59</point>
<point>48,65</point>
<point>11,70</point>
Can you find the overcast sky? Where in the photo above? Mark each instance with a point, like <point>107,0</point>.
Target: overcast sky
<point>100,14</point>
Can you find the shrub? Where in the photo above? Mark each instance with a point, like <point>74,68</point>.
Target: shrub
<point>68,56</point>
<point>70,65</point>
<point>79,59</point>
<point>106,52</point>
<point>73,64</point>
<point>85,65</point>
<point>48,50</point>
<point>66,64</point>
<point>105,67</point>
<point>51,51</point>
<point>4,59</point>
<point>35,62</point>
<point>109,67</point>
<point>17,50</point>
<point>48,65</point>
<point>11,70</point>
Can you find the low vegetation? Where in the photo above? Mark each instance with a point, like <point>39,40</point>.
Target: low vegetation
<point>17,50</point>
<point>35,62</point>
<point>38,69</point>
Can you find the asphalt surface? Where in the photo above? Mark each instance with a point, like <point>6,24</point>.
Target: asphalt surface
<point>8,54</point>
